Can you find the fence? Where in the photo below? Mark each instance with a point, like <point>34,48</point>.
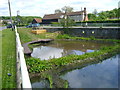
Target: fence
<point>23,80</point>
<point>98,24</point>
<point>82,24</point>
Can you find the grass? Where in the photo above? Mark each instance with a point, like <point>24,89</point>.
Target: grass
<point>0,59</point>
<point>66,36</point>
<point>49,77</point>
<point>8,59</point>
<point>27,36</point>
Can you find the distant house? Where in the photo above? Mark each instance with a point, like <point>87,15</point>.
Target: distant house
<point>76,16</point>
<point>36,20</point>
<point>1,21</point>
<point>7,21</point>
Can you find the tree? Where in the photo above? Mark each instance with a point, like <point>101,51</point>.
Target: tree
<point>92,16</point>
<point>118,13</point>
<point>19,19</point>
<point>95,12</point>
<point>102,16</point>
<point>67,22</point>
<point>64,9</point>
<point>67,9</point>
<point>58,11</point>
<point>4,22</point>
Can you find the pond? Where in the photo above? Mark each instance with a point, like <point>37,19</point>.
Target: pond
<point>60,48</point>
<point>38,83</point>
<point>100,75</point>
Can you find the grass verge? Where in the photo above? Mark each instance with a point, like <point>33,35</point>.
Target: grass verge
<point>8,59</point>
<point>0,59</point>
<point>26,35</point>
<point>66,36</point>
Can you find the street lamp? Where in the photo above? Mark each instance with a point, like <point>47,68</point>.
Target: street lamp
<point>10,14</point>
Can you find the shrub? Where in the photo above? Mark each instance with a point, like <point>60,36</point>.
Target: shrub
<point>64,36</point>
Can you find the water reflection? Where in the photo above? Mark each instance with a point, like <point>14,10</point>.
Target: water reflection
<point>40,84</point>
<point>44,52</point>
<point>58,49</point>
<point>101,75</point>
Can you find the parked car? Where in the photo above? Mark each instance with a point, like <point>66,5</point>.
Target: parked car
<point>36,25</point>
<point>33,25</point>
<point>10,25</point>
<point>29,26</point>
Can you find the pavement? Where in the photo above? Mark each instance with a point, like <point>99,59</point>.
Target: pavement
<point>78,27</point>
<point>1,28</point>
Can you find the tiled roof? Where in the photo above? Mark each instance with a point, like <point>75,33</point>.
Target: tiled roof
<point>53,16</point>
<point>57,15</point>
<point>38,20</point>
<point>75,13</point>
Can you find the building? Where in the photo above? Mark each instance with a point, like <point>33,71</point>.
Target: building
<point>76,16</point>
<point>36,20</point>
<point>1,20</point>
<point>8,21</point>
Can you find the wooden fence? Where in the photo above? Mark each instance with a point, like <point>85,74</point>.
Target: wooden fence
<point>23,80</point>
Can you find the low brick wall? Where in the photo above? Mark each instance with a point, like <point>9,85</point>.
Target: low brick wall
<point>106,33</point>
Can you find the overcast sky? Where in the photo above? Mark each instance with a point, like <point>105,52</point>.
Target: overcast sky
<point>41,7</point>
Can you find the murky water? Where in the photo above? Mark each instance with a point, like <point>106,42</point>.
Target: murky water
<point>101,75</point>
<point>62,48</point>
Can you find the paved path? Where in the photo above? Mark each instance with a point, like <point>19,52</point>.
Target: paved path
<point>1,28</point>
<point>79,27</point>
<point>27,50</point>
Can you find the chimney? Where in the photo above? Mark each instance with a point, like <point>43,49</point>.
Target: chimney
<point>85,15</point>
<point>84,10</point>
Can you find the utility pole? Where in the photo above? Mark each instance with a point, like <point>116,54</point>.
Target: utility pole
<point>18,17</point>
<point>10,15</point>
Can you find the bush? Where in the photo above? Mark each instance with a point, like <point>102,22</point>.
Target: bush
<point>102,21</point>
<point>55,24</point>
<point>64,36</point>
<point>92,37</point>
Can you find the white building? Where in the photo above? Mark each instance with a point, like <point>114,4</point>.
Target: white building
<point>76,16</point>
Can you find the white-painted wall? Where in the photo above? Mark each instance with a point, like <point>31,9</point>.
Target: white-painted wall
<point>77,18</point>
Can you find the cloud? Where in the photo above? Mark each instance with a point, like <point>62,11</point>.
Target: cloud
<point>41,7</point>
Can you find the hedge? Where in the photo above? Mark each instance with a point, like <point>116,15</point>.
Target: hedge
<point>104,21</point>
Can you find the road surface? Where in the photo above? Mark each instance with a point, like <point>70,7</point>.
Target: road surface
<point>1,28</point>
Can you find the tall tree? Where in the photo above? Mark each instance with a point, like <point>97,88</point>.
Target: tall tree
<point>102,15</point>
<point>58,11</point>
<point>95,12</point>
<point>66,21</point>
<point>92,16</point>
<point>67,9</point>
